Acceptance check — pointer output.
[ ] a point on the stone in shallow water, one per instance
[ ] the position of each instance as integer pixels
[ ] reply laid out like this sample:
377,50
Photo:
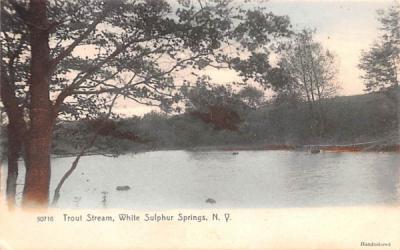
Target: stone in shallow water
211,201
123,188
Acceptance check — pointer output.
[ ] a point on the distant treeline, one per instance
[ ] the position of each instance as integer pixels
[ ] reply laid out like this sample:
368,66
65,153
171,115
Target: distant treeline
347,119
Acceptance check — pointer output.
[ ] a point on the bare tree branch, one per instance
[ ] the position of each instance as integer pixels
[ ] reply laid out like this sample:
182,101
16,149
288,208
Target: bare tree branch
74,165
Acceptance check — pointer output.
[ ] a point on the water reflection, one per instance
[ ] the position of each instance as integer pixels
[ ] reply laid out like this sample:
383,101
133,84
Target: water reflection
222,156
387,173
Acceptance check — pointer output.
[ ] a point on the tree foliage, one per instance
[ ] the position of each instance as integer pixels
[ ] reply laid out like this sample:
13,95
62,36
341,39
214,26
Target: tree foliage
99,48
381,63
252,97
306,69
69,59
307,72
214,103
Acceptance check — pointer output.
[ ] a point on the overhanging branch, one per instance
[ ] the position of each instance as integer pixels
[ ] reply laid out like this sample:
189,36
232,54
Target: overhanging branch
77,41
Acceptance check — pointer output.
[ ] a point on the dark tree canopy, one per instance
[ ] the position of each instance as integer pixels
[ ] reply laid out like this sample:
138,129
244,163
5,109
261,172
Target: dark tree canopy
214,103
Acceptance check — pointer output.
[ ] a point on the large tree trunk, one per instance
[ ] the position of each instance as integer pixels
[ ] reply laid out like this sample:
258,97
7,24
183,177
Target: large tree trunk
37,178
16,133
38,146
13,153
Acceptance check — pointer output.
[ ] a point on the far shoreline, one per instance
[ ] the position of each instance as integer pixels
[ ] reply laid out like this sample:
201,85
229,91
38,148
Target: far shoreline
348,148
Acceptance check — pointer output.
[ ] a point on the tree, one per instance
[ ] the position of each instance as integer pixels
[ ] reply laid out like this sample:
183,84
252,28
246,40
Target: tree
220,104
13,71
251,96
214,103
306,72
381,63
68,59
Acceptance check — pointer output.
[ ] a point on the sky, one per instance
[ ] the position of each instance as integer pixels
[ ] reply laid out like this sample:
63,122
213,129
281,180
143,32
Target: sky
345,27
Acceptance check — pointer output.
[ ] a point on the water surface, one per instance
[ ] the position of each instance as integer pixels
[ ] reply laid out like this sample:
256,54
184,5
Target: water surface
250,179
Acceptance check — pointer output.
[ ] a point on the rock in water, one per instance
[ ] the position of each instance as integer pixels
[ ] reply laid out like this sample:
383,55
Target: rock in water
123,188
211,201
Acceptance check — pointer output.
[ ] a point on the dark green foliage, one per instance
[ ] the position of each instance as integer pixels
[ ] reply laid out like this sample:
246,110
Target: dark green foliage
220,105
215,104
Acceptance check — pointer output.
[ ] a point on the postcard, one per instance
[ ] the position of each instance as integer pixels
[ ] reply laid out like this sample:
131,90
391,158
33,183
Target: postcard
200,124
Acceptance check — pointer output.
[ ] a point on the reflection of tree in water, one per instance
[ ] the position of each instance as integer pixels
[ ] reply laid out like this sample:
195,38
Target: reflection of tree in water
219,156
77,200
398,187
307,173
104,200
387,187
